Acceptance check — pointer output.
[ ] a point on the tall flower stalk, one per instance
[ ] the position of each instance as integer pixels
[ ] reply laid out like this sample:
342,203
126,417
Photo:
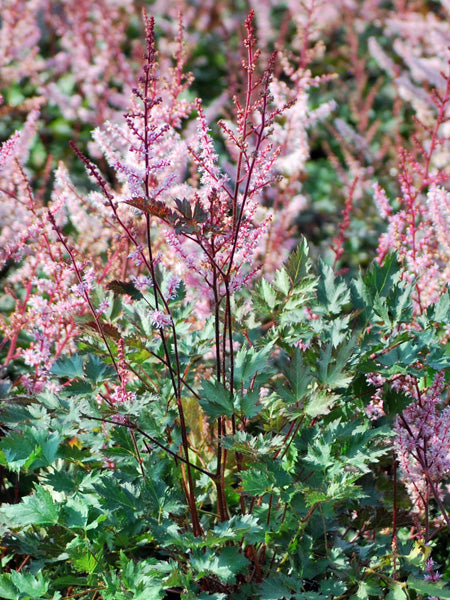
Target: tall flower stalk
212,229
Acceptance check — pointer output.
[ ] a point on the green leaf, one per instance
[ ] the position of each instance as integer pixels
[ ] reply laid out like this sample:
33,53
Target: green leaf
299,377
256,482
29,585
284,587
248,362
8,590
440,312
38,509
237,528
367,589
428,588
19,451
401,356
268,293
75,512
248,403
397,592
298,265
438,358
394,402
282,282
339,330
274,589
81,556
332,291
97,371
226,565
331,371
120,497
381,278
319,403
71,366
216,400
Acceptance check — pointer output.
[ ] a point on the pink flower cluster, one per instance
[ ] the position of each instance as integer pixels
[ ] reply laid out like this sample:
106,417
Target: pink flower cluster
423,441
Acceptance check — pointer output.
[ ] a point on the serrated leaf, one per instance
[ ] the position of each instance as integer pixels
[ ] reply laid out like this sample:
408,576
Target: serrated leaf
332,291
438,358
282,282
82,560
75,512
367,589
403,355
314,497
397,592
97,371
297,265
120,496
239,527
216,400
339,330
184,207
274,589
200,215
248,404
8,590
440,312
248,362
226,565
298,375
268,293
71,366
381,278
319,403
124,288
19,451
38,509
331,368
438,589
394,402
29,585
256,482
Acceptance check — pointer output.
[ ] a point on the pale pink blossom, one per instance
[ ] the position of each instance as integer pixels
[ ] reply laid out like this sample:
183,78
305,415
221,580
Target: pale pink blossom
160,320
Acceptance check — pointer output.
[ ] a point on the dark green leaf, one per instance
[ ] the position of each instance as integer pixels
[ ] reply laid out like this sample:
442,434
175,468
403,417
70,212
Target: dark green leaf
438,589
216,400
124,288
332,292
97,371
70,366
38,509
225,565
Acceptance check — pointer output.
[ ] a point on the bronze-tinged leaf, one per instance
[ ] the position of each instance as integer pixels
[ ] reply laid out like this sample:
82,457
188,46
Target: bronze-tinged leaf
107,329
124,287
138,202
155,208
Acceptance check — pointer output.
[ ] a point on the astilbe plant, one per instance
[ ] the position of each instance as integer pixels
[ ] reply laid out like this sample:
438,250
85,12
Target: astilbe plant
216,219
95,233
209,438
40,325
40,287
418,232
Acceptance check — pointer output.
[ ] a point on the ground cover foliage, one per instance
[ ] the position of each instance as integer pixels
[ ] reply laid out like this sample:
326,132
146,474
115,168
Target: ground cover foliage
224,316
